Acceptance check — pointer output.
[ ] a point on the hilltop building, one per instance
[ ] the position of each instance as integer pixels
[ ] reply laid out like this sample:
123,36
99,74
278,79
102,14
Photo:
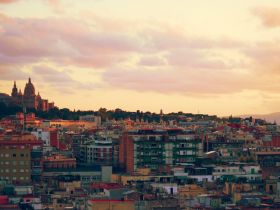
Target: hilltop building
27,99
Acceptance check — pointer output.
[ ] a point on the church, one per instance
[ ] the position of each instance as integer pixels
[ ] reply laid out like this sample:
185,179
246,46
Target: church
29,99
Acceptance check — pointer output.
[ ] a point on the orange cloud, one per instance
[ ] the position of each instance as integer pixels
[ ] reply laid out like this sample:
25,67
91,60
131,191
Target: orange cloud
7,1
270,17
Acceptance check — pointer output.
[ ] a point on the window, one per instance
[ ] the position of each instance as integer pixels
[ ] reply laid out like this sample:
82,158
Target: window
14,170
7,155
14,155
21,155
190,145
189,152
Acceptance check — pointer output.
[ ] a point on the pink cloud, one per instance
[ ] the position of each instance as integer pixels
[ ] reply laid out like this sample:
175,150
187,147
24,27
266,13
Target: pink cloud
170,60
11,72
178,80
61,81
192,58
152,61
67,41
168,39
264,57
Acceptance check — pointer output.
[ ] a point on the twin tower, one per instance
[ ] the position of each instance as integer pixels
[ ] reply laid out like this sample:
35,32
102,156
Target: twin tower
29,99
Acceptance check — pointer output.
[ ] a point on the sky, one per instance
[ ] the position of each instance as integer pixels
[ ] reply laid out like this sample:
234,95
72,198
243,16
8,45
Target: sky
217,57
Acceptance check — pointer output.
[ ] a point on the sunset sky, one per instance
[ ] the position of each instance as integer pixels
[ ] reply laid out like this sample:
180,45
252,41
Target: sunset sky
216,57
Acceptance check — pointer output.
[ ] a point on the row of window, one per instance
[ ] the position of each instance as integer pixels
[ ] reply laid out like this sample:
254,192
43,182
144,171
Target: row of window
100,149
13,155
226,170
14,170
188,145
21,162
90,178
14,178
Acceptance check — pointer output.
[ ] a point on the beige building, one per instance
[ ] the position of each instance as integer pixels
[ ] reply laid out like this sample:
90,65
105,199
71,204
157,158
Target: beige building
15,164
110,205
190,191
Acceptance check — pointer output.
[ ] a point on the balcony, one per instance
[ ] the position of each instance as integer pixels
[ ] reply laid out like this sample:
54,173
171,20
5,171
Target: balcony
36,171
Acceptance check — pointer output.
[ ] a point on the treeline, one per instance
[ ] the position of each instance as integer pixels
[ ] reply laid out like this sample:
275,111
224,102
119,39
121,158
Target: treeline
8,110
117,114
105,114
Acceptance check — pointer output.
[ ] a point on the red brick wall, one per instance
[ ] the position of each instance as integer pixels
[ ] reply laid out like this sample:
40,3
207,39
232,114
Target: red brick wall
275,142
126,153
54,139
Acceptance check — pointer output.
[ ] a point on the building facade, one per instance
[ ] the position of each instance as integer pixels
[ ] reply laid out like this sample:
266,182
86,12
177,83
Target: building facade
15,164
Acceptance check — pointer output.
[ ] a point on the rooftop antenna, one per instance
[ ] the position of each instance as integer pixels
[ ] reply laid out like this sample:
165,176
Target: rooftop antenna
24,118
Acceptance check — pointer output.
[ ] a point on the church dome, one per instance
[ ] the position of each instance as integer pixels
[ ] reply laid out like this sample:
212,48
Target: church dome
29,89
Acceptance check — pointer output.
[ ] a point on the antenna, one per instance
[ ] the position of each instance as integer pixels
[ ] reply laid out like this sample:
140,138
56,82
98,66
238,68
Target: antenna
24,118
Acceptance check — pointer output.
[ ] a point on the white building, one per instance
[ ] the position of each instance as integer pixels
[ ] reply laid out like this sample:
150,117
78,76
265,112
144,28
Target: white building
251,172
43,135
96,152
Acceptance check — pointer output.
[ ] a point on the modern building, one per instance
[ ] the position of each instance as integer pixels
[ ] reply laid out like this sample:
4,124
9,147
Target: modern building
87,174
96,152
153,148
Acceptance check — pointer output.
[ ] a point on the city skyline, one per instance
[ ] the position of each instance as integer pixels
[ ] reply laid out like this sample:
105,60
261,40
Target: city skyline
191,56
